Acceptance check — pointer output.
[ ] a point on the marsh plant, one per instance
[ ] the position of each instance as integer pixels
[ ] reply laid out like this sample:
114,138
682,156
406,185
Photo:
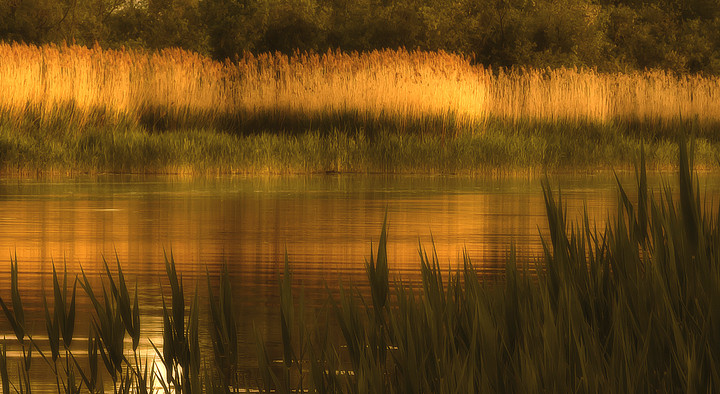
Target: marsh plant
630,307
408,91
633,306
74,109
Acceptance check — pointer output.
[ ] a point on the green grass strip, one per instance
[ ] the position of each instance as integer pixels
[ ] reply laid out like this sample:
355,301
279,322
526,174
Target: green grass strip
496,146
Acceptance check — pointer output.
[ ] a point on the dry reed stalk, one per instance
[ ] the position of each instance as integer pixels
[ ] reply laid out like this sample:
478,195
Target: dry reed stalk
373,86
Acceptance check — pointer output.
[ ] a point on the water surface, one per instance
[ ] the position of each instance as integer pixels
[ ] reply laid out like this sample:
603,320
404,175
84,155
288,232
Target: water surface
324,223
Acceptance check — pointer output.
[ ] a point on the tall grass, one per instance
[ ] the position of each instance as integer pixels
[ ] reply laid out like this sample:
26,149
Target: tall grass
174,88
413,91
631,307
71,108
501,149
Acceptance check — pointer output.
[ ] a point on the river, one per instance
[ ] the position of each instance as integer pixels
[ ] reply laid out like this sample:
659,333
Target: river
325,223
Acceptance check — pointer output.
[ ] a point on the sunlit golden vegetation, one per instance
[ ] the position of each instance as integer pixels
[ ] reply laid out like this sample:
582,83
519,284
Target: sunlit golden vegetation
410,90
73,108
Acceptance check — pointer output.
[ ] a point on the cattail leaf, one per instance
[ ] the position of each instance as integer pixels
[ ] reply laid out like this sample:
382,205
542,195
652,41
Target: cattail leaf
14,323
85,284
51,327
4,368
16,316
136,320
59,301
177,300
169,345
28,358
15,292
118,342
109,366
93,357
69,328
228,315
193,334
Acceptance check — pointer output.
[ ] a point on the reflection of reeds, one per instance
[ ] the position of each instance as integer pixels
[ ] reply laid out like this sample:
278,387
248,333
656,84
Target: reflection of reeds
409,91
631,307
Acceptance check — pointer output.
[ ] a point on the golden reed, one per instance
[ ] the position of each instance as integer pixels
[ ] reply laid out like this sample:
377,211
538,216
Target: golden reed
375,85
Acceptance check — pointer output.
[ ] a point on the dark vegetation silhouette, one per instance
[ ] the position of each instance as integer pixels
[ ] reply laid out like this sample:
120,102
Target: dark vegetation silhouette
612,35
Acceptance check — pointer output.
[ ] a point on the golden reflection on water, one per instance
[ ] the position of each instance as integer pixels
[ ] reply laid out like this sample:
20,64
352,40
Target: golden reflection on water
324,223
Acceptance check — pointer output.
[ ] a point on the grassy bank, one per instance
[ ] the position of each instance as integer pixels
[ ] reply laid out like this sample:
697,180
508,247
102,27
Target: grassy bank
501,147
632,307
72,109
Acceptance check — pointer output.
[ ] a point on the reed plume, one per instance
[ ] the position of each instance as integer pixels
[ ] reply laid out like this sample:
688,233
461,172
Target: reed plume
409,90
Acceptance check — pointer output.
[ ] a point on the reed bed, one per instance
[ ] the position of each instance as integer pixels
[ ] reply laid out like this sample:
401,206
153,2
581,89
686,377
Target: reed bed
632,307
409,91
526,149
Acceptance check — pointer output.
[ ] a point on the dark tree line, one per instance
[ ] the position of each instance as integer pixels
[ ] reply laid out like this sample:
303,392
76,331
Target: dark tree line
677,35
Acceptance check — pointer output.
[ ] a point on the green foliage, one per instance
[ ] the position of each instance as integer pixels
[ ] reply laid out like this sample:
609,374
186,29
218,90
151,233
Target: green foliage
338,144
31,21
289,26
680,36
174,23
230,26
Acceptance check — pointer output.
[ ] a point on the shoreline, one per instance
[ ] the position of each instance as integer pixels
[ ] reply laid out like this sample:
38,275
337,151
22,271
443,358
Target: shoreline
497,150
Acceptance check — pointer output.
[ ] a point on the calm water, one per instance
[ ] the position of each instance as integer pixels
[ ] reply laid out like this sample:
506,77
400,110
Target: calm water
325,224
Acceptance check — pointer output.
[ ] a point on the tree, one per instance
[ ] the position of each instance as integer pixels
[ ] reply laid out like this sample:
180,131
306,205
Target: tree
230,25
175,23
31,21
568,33
292,25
